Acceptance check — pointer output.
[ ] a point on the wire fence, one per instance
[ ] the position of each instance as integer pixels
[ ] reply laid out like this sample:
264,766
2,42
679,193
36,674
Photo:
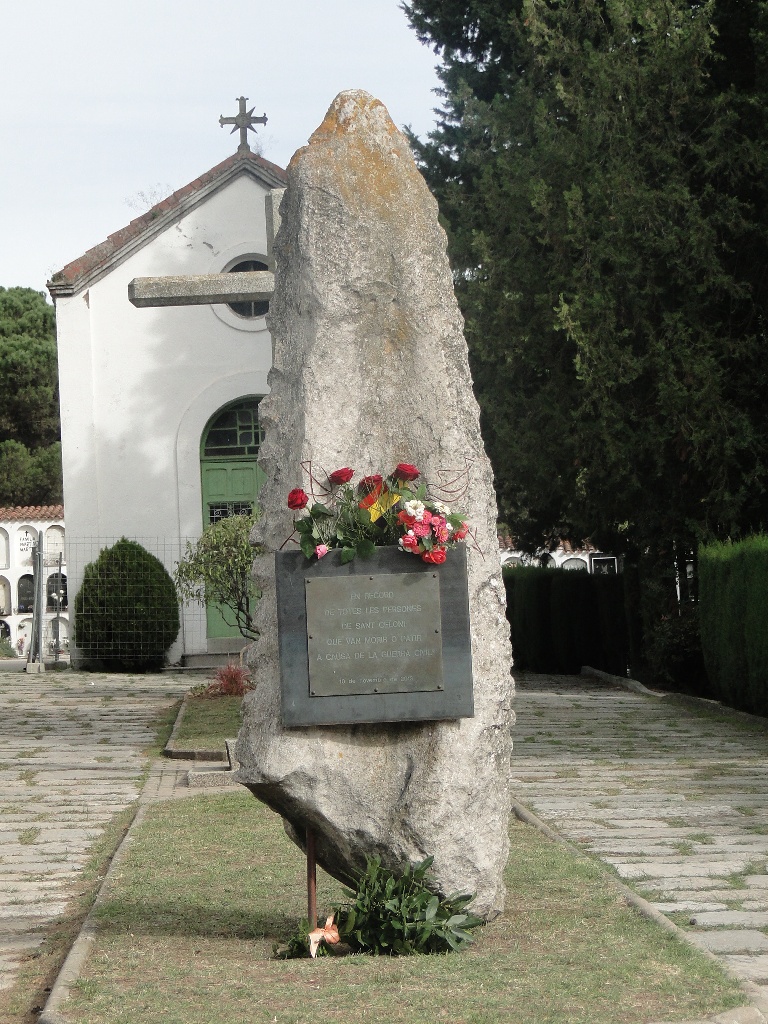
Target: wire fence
123,606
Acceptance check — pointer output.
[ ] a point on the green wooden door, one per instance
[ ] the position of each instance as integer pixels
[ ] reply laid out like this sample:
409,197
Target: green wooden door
230,478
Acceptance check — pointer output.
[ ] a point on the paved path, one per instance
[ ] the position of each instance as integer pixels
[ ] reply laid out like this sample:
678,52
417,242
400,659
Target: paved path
676,801
71,756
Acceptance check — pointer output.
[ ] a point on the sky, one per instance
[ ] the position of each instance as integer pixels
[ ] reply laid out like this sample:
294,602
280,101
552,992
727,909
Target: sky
105,107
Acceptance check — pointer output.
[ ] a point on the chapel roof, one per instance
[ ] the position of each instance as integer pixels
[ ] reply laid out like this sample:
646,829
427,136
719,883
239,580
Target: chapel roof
121,244
31,513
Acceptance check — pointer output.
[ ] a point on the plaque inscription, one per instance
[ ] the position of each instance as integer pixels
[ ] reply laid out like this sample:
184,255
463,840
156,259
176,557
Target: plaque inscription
373,634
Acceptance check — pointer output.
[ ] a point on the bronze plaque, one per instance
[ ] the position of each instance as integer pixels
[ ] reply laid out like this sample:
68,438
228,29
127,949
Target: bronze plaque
374,634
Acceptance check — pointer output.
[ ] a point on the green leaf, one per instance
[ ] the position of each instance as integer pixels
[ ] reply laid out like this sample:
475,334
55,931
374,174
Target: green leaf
308,545
347,554
319,511
365,548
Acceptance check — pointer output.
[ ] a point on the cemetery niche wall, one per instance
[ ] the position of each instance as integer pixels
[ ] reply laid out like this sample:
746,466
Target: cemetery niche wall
369,368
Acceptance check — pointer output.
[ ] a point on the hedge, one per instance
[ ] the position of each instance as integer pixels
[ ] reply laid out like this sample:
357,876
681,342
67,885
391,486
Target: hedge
733,620
563,619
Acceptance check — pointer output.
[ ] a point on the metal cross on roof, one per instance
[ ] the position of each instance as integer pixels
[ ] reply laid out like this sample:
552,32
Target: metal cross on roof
244,120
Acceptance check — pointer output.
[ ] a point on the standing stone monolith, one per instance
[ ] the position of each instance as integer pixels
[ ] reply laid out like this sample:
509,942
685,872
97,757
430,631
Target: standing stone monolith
370,369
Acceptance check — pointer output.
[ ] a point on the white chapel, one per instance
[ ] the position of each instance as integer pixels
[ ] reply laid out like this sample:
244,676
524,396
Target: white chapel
159,406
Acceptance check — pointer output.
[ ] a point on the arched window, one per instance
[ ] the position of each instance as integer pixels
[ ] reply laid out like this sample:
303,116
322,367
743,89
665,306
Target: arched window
56,593
574,563
56,635
234,432
5,630
5,550
26,594
5,596
249,310
231,479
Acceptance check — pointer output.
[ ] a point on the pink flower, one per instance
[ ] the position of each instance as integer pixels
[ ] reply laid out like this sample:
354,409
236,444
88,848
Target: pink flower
409,542
421,529
321,549
440,531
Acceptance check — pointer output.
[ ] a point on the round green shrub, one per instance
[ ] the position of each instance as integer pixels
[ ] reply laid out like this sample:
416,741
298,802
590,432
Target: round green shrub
126,612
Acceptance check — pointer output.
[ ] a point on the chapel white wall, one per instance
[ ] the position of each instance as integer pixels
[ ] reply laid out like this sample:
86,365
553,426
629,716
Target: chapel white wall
139,385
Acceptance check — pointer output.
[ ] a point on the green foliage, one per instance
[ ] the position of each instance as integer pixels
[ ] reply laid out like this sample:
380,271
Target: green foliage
733,613
126,612
296,947
6,648
216,569
30,477
30,455
602,174
562,620
397,914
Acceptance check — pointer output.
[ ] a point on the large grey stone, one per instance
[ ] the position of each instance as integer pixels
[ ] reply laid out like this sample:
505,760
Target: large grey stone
370,369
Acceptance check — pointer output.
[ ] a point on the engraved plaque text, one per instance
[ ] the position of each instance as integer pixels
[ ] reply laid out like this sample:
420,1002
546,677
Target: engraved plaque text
374,634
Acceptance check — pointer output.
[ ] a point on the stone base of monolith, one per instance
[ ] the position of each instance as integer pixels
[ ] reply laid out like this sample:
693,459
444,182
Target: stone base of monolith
370,369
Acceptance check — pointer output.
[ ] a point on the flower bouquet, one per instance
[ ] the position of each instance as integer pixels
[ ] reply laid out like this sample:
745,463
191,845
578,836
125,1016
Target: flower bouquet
377,511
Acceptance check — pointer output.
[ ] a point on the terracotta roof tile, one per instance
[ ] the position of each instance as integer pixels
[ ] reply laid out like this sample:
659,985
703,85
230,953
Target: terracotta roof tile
68,277
33,513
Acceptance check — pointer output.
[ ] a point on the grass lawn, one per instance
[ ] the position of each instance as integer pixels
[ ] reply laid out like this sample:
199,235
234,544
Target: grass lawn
211,882
208,722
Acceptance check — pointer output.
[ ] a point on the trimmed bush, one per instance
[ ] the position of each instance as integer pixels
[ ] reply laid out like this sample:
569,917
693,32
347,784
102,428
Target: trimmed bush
126,613
562,620
733,611
528,614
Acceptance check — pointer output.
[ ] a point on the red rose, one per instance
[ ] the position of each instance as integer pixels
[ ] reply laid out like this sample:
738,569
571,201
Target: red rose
297,499
370,484
435,557
371,487
461,533
405,471
341,476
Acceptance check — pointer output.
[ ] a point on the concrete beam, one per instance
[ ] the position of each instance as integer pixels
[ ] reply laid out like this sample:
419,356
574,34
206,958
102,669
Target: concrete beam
203,289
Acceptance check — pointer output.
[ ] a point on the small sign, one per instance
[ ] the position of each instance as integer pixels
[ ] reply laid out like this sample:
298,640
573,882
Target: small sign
604,565
374,634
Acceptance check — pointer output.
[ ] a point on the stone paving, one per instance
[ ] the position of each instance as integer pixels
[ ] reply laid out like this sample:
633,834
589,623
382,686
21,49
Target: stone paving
71,757
676,801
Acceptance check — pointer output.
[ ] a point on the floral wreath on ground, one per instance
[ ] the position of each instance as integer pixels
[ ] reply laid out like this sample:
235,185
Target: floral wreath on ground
375,512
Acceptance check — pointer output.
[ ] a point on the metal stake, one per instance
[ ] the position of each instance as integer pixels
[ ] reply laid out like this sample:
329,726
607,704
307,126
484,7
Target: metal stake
311,880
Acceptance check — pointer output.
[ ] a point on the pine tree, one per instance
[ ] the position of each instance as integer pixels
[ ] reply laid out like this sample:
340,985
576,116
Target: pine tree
601,171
